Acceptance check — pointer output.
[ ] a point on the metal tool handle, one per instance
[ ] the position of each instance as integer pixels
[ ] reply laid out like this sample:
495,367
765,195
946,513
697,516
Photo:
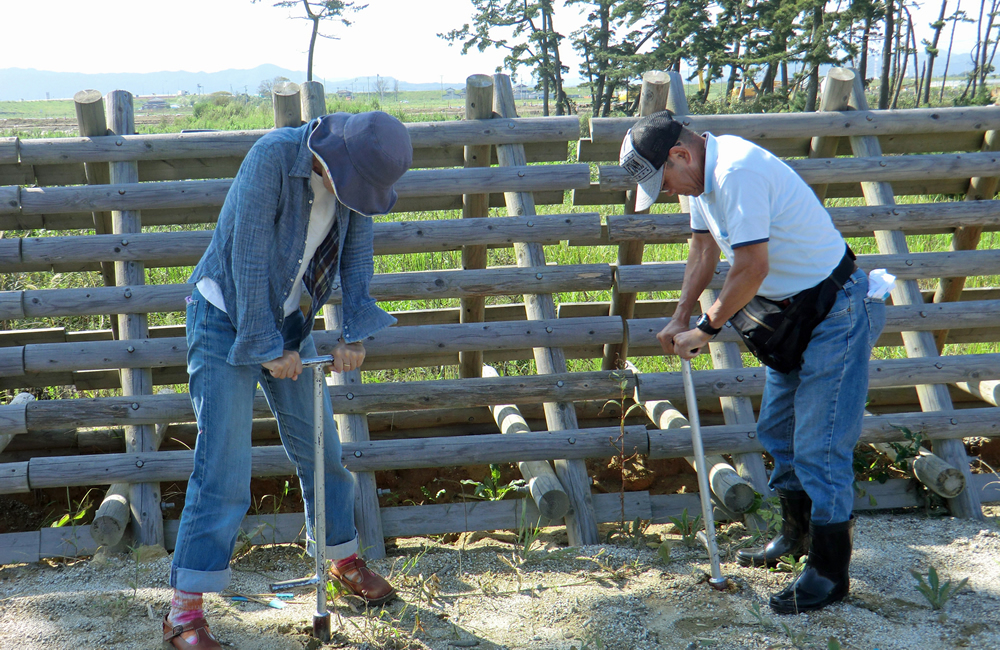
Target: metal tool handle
321,621
717,580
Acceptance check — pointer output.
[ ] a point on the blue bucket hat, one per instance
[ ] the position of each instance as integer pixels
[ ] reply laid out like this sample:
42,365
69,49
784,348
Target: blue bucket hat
364,154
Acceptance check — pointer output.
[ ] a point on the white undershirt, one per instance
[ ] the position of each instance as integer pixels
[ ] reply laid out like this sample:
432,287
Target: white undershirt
324,208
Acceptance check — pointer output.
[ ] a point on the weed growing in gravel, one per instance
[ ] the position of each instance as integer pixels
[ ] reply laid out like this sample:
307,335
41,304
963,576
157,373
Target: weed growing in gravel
799,640
761,619
789,564
527,534
630,534
590,641
687,527
932,589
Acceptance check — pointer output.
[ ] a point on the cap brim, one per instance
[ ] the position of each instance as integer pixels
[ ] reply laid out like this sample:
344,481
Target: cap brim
648,191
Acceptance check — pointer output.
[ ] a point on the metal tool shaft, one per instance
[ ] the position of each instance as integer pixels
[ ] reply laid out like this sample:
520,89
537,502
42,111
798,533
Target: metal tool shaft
321,620
717,580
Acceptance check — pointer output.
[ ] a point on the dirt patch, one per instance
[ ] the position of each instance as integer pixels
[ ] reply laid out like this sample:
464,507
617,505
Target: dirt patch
484,591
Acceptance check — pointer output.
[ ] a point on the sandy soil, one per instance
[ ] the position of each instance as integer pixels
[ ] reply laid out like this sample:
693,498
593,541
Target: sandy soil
480,591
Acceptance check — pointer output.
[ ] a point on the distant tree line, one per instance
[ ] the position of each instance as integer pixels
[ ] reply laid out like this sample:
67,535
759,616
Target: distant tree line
771,49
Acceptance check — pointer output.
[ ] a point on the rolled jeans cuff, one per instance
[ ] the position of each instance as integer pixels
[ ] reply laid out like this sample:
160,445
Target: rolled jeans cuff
338,551
199,582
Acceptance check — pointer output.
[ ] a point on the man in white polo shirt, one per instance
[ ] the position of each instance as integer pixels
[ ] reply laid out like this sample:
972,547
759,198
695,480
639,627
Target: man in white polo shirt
787,259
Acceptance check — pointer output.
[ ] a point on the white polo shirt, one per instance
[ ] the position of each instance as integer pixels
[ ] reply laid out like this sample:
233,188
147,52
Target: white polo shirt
751,196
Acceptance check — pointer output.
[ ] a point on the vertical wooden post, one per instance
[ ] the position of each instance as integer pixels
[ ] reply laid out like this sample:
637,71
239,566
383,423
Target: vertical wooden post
91,122
966,238
652,99
353,427
144,498
918,344
285,100
836,97
581,521
478,106
313,101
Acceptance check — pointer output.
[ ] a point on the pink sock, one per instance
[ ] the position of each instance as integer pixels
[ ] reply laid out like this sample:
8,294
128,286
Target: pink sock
346,560
185,607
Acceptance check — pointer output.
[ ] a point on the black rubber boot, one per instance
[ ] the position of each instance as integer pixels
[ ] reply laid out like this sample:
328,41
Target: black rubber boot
825,579
796,507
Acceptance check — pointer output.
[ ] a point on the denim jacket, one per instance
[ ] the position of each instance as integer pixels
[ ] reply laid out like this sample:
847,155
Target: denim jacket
258,244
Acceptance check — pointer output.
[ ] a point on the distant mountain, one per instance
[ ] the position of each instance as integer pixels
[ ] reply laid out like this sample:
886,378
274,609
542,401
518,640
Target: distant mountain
29,84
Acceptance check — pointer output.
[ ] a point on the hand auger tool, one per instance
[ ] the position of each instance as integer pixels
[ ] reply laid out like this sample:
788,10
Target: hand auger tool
321,619
708,538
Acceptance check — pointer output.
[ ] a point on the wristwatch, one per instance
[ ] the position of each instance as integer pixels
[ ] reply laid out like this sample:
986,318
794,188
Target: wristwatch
705,325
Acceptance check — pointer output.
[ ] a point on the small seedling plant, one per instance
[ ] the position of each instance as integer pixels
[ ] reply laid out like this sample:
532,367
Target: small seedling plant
491,488
688,527
937,594
789,564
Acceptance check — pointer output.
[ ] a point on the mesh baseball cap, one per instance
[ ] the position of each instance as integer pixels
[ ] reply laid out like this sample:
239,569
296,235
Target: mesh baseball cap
644,151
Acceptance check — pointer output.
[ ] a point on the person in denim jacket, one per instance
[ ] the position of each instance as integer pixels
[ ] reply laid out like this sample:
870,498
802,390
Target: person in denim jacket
296,224
781,243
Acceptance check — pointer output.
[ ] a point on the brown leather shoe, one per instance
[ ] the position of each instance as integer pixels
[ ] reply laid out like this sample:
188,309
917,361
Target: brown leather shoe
173,635
363,582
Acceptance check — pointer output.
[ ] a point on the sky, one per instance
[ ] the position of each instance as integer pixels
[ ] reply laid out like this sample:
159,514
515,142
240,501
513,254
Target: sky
395,38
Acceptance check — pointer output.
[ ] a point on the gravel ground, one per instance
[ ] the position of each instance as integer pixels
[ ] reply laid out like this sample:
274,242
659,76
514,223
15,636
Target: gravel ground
478,591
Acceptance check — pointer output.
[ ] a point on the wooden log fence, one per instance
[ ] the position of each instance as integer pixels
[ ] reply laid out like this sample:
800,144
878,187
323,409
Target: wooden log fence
49,435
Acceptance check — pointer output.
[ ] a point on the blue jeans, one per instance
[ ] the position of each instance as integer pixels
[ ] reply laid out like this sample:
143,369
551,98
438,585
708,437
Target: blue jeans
218,493
810,419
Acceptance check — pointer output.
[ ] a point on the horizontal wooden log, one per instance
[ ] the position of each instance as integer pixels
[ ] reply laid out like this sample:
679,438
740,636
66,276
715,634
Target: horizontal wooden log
922,187
916,318
668,276
932,425
13,479
16,548
66,542
389,343
391,238
826,123
10,200
193,194
850,221
12,361
798,147
367,398
882,373
176,169
421,285
210,214
9,150
829,170
503,281
237,143
381,397
366,456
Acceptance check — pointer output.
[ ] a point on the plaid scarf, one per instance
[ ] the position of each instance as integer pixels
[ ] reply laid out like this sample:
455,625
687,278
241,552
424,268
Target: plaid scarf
324,266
